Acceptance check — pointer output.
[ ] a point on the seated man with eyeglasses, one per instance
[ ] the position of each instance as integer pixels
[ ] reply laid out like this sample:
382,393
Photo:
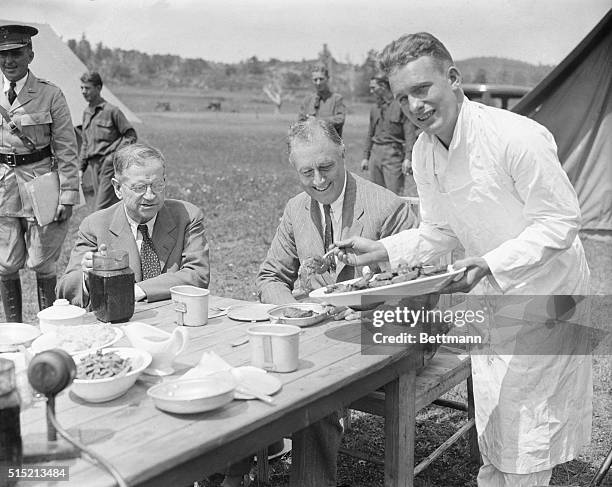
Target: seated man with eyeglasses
164,238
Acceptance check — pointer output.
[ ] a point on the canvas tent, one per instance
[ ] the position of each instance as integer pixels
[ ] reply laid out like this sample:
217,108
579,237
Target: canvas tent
575,103
53,60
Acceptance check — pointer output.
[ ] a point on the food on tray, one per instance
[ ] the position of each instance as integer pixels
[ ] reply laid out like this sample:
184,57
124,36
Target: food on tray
402,274
100,365
298,313
312,266
83,337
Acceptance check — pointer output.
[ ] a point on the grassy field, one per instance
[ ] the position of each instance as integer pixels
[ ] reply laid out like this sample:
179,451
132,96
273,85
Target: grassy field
234,166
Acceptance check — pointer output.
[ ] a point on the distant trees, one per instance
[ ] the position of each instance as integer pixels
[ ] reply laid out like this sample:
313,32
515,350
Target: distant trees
287,78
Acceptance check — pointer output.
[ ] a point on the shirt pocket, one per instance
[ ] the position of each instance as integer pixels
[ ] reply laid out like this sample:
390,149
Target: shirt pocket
105,130
37,127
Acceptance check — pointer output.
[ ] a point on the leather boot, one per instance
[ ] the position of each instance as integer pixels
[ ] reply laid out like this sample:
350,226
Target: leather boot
46,291
11,299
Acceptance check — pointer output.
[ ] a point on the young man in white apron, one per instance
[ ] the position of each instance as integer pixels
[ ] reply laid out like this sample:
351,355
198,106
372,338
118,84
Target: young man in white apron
490,180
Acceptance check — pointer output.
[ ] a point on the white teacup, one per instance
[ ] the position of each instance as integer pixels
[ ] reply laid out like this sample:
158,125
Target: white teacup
275,347
191,305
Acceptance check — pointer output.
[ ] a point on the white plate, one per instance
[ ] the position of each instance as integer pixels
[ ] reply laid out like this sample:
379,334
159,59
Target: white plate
47,341
416,287
250,312
256,379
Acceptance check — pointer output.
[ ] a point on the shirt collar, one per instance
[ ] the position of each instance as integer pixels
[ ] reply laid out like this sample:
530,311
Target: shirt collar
91,109
134,226
336,206
19,85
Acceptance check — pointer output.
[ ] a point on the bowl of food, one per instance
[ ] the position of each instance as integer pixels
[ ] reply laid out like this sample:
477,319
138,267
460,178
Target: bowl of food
78,338
298,314
190,396
14,335
106,374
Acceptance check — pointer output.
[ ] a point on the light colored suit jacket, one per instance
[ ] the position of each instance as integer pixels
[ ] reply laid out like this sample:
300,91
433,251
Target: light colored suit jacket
178,237
368,210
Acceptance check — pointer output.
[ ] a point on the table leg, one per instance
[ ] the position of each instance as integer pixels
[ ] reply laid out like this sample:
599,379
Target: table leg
472,435
400,417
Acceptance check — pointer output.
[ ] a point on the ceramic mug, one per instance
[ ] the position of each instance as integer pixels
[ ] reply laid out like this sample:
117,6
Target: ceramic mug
190,304
275,347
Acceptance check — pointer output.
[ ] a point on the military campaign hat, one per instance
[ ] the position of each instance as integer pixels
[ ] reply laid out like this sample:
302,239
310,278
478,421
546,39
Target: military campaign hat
15,36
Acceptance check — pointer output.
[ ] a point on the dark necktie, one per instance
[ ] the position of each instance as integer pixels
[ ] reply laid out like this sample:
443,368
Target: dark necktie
329,233
12,94
149,262
329,229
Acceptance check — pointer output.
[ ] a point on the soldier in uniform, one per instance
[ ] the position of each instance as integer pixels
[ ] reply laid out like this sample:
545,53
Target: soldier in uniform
105,130
36,137
323,103
388,146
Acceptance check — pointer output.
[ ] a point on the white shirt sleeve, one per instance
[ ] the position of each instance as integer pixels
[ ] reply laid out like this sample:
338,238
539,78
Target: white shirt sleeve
550,204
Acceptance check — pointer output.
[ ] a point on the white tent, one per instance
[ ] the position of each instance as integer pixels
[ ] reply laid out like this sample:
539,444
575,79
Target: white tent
53,60
575,103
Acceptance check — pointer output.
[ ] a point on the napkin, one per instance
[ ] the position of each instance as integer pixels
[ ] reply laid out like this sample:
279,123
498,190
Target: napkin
211,363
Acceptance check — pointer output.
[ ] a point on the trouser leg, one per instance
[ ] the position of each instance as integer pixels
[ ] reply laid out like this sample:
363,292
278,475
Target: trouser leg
315,453
490,476
45,287
375,170
10,290
12,258
44,247
392,157
105,195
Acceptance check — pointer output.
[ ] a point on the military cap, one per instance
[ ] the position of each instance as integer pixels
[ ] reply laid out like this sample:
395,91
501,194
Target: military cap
15,36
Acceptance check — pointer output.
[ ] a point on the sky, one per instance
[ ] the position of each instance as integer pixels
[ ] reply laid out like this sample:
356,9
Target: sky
536,31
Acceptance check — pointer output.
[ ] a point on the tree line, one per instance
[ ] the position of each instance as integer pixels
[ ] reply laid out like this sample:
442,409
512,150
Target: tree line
135,68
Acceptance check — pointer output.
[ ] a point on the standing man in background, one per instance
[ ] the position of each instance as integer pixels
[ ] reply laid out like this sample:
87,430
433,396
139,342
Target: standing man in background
391,135
36,138
105,129
323,103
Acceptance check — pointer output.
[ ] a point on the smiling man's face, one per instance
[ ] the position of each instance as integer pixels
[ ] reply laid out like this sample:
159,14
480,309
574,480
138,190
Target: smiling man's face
320,167
429,95
141,205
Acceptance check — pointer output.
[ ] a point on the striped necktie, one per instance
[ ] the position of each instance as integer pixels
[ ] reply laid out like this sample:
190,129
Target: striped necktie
149,262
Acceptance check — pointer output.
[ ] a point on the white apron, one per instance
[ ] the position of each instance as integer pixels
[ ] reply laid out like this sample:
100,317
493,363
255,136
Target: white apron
532,411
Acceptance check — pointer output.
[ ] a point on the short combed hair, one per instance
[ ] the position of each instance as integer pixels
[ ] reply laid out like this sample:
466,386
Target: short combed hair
307,130
413,46
135,155
92,77
320,68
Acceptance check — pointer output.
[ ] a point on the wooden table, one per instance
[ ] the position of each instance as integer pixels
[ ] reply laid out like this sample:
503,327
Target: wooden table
153,448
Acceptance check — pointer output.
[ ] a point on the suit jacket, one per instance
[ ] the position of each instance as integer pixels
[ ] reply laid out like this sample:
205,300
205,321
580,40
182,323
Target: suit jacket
368,210
178,238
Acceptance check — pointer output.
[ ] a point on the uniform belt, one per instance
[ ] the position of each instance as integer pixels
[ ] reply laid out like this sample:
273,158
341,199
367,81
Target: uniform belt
13,160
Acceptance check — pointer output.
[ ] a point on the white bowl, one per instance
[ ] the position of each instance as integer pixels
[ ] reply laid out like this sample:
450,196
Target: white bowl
277,315
102,390
62,313
12,335
189,396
